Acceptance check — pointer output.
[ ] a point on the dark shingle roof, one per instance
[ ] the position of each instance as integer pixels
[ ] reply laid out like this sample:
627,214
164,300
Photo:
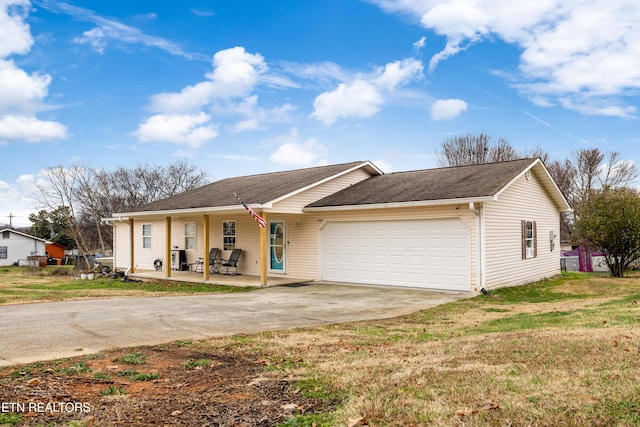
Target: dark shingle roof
429,184
261,188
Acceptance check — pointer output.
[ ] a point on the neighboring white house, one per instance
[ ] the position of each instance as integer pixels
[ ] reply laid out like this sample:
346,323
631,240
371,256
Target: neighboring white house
458,228
16,246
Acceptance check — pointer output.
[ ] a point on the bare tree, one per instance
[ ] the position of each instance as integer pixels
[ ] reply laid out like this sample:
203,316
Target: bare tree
474,149
92,194
595,169
59,189
182,176
123,188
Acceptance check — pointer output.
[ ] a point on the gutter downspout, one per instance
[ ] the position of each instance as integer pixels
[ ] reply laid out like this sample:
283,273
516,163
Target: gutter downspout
481,267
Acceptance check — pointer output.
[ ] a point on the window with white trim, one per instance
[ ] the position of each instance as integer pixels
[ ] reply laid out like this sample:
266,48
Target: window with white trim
146,236
190,235
228,235
529,240
4,252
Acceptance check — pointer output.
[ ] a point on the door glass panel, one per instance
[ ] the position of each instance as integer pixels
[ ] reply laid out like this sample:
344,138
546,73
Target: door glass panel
277,245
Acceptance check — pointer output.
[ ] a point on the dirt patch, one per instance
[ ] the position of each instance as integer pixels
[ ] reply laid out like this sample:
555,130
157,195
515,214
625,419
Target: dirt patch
172,385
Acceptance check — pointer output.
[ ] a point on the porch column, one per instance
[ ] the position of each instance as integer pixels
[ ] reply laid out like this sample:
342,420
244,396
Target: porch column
205,257
263,251
167,253
131,247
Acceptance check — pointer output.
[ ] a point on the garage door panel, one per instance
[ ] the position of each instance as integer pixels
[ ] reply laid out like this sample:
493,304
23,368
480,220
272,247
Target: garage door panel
422,253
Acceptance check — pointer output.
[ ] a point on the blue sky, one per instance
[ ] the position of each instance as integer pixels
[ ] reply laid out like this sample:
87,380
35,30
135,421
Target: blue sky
243,87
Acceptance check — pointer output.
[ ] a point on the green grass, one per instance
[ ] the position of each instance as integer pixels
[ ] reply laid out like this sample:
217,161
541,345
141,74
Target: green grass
113,391
147,286
134,375
76,368
25,284
310,420
538,292
192,364
136,358
9,419
318,388
101,376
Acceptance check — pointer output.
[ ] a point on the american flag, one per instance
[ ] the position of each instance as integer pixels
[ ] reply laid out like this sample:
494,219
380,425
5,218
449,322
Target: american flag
254,214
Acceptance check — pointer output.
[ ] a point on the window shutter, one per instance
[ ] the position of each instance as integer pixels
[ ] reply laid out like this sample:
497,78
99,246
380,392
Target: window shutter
523,226
535,240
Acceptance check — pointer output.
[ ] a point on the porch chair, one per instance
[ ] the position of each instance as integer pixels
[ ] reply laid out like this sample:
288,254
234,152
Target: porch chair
232,262
214,262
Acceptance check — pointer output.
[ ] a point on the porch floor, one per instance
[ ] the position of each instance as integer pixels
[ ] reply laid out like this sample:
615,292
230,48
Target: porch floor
217,279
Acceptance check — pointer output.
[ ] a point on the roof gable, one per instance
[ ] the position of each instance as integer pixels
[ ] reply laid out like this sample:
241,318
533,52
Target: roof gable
28,236
484,181
253,189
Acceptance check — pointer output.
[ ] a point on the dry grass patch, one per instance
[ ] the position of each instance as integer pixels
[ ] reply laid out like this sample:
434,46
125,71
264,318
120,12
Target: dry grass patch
570,361
563,352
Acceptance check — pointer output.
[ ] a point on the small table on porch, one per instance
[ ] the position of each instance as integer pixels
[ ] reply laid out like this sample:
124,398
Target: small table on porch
197,266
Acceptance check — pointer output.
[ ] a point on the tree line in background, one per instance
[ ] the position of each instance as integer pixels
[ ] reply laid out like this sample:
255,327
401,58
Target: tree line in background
76,199
606,209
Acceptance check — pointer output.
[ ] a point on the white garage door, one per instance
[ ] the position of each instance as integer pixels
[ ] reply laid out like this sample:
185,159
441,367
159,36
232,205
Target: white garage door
432,254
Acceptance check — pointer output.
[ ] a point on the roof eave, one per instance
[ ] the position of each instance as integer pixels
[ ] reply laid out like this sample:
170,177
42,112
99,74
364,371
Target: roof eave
420,203
183,212
376,171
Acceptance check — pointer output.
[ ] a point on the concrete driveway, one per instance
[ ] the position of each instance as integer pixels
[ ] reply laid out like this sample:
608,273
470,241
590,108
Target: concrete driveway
44,331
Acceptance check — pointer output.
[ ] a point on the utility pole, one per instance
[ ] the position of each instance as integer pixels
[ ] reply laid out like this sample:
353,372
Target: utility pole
11,216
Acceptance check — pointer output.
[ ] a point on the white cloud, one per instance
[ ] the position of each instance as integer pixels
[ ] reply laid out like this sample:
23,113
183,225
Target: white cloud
235,74
185,129
419,45
447,109
109,31
17,199
357,99
398,73
21,95
228,90
20,91
574,52
14,32
30,129
294,153
365,95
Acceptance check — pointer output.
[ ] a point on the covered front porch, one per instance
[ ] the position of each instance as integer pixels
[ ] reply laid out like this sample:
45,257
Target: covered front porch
239,280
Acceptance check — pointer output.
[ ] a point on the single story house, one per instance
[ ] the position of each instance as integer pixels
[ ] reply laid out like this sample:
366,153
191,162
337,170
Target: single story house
456,228
16,246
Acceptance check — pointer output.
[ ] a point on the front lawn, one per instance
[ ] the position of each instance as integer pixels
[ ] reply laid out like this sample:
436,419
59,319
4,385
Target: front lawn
51,283
562,352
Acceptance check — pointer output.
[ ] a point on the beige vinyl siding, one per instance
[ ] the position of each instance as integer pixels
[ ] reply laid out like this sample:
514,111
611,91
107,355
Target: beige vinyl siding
144,257
526,199
121,251
302,246
247,239
294,204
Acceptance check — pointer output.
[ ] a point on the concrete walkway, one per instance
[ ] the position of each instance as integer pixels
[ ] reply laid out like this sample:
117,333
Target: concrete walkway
45,331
